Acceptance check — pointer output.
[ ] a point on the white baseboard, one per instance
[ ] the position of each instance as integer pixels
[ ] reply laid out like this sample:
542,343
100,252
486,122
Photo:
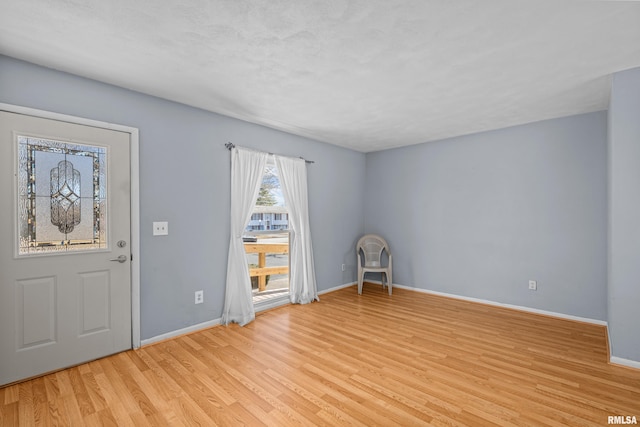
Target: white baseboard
346,285
276,302
624,362
204,325
335,288
209,324
612,359
183,331
512,306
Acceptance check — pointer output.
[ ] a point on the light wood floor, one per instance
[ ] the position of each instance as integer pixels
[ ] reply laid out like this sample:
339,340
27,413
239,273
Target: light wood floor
375,359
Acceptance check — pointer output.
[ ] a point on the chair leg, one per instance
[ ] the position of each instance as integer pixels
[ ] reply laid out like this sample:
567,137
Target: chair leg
360,280
389,281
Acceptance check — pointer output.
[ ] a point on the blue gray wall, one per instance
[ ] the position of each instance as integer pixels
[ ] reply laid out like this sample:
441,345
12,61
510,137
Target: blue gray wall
184,179
624,215
476,216
480,215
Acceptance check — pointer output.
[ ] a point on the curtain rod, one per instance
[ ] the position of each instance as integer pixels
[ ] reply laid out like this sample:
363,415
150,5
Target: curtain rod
230,145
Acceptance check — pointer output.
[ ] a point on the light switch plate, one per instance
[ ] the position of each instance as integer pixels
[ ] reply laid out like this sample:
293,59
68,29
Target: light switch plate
160,228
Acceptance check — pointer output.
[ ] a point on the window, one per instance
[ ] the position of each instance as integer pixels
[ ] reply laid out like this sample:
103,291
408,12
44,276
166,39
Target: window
268,256
62,196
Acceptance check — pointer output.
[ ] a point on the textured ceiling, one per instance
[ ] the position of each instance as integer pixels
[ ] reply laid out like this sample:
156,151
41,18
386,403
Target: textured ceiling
363,74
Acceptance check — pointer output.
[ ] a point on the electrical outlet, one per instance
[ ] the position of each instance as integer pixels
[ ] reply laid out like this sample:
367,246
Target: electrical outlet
160,228
533,285
199,297
343,267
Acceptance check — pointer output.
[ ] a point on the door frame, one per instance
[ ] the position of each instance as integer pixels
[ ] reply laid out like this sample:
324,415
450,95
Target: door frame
135,197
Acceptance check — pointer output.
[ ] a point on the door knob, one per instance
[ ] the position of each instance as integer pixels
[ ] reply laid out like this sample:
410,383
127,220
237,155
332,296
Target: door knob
121,258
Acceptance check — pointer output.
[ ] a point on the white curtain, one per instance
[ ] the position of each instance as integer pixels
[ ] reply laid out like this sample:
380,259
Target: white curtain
302,277
247,168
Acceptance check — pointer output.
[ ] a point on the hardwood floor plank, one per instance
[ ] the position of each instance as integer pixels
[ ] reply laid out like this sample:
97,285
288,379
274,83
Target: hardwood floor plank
40,404
190,412
143,398
116,406
80,393
101,418
299,385
162,382
26,410
57,412
118,394
345,412
93,391
10,416
205,400
371,359
71,408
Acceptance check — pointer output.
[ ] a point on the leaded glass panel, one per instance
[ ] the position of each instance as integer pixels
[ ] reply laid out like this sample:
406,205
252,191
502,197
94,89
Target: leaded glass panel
62,191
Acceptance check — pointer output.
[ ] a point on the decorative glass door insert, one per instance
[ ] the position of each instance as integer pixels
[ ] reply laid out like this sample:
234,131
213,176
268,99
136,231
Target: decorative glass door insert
62,189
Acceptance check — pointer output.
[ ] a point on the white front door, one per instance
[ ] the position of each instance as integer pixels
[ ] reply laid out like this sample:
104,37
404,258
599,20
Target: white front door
65,234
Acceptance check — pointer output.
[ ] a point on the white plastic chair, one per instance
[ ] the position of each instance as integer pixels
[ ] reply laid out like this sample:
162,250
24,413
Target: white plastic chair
371,246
